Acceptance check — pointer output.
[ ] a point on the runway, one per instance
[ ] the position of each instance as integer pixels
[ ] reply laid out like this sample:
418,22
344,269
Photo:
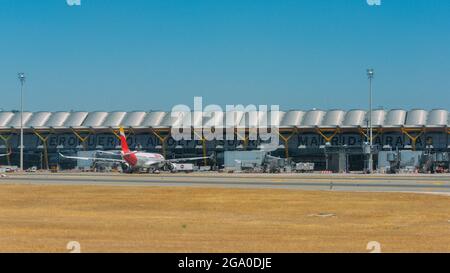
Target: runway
437,184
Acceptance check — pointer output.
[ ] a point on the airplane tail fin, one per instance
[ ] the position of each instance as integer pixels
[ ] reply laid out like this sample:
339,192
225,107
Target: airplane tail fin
123,141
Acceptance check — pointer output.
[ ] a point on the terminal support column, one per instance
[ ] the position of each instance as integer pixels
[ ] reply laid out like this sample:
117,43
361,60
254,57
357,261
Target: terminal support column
243,138
162,139
204,148
81,138
328,138
6,141
43,136
286,141
414,138
378,131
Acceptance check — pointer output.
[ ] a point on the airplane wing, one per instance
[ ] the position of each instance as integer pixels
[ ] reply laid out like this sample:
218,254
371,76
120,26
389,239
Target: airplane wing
119,153
151,163
273,157
109,152
189,159
93,158
5,154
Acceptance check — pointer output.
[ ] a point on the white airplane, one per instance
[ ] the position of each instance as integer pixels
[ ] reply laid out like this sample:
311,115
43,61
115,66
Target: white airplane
135,161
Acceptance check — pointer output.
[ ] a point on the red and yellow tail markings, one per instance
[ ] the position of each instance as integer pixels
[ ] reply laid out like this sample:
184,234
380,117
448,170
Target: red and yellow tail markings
127,156
121,131
123,141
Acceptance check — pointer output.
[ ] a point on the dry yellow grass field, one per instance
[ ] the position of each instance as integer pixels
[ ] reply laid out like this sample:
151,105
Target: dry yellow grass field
150,219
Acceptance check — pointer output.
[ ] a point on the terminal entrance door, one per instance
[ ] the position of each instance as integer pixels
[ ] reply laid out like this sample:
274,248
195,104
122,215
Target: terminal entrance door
356,163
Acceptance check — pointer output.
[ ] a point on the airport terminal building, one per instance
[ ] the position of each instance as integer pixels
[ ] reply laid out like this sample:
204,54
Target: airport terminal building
333,139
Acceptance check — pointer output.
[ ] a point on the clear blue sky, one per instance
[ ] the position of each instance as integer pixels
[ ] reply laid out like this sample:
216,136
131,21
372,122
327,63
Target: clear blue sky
153,54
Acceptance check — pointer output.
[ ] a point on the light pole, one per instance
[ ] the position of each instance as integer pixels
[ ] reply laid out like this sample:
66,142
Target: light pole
370,74
22,82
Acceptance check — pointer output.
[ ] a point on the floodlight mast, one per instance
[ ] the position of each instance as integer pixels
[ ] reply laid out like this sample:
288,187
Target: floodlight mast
22,82
370,75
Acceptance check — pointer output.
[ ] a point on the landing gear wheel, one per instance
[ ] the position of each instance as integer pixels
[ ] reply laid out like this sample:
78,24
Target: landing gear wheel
126,169
153,170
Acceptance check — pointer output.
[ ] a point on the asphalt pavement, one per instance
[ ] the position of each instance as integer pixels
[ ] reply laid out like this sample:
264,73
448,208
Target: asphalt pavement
438,184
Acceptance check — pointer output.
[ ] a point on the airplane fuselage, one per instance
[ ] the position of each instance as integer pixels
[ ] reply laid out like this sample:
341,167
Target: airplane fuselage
140,160
134,161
